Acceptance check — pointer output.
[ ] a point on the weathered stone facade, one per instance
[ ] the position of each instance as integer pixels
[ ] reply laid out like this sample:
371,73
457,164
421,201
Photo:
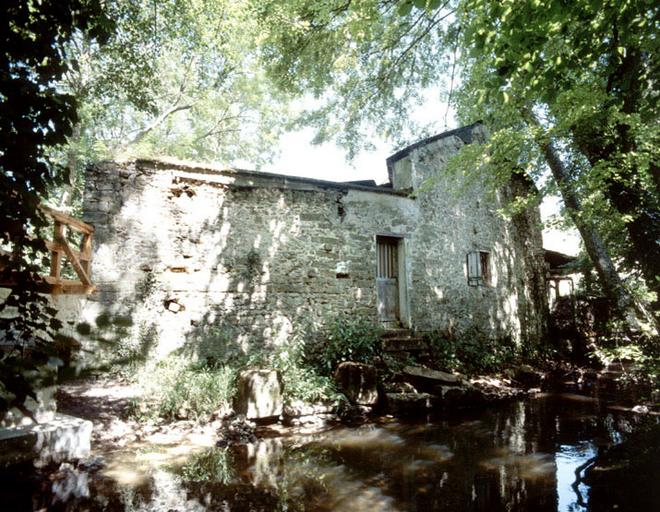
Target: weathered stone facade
192,257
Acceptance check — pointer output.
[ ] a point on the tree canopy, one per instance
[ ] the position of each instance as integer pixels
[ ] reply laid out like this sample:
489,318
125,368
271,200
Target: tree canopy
558,83
364,62
584,71
177,78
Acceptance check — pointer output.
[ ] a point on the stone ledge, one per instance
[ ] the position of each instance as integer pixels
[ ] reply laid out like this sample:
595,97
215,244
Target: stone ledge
63,438
410,404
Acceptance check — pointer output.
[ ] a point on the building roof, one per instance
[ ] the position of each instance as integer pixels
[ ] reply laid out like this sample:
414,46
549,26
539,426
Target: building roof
464,133
558,261
268,178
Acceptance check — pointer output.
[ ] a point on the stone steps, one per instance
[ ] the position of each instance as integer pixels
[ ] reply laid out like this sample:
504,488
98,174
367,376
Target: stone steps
410,344
402,340
399,332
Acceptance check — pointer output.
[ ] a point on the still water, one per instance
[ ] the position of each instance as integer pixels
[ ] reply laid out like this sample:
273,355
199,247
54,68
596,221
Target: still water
524,455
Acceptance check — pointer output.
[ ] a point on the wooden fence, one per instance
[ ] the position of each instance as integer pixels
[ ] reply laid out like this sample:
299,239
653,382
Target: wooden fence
61,253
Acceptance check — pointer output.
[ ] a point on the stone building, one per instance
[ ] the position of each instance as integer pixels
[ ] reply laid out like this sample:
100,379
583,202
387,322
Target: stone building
189,257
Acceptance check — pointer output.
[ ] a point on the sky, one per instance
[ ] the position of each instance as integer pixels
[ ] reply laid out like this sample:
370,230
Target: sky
299,157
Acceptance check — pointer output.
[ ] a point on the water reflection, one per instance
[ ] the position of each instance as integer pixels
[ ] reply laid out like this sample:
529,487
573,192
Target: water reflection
520,456
70,484
573,494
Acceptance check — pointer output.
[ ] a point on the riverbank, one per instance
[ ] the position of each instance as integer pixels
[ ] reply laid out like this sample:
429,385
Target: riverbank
109,403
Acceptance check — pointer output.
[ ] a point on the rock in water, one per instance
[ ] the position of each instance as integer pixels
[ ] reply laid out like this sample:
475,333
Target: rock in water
235,432
259,394
358,382
425,378
409,404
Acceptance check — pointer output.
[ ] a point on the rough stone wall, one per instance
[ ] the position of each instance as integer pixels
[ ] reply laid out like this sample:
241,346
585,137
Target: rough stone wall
457,218
182,261
192,259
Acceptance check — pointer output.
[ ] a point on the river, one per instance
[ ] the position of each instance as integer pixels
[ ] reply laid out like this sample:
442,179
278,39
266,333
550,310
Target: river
522,455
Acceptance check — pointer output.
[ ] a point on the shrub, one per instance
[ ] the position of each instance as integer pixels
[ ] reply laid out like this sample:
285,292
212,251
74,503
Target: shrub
214,465
301,379
349,338
473,352
644,352
176,387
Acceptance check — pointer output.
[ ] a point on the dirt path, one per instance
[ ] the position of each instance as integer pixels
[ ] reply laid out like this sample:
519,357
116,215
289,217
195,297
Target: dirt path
106,403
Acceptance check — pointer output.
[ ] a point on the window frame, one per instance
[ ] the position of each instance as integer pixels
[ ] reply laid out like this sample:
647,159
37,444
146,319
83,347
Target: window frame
478,268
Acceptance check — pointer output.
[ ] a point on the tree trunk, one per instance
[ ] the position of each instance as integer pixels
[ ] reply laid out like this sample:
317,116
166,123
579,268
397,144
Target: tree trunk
594,244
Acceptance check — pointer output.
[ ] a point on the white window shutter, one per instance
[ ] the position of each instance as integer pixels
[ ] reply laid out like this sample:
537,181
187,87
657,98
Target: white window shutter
474,268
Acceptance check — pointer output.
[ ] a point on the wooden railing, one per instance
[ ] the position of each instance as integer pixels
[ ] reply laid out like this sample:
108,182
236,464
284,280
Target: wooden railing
61,252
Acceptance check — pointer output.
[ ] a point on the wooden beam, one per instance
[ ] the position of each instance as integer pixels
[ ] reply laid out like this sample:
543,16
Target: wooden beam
75,262
79,289
54,286
86,253
72,222
67,286
56,255
59,248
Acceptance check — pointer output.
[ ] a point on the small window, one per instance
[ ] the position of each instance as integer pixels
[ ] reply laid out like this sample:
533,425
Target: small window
478,268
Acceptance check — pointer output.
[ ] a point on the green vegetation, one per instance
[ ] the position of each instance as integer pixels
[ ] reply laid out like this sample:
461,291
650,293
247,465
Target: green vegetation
642,355
184,386
302,380
473,353
349,338
35,118
212,465
177,388
176,78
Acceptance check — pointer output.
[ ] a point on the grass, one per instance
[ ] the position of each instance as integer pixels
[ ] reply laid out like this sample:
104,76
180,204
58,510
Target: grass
178,388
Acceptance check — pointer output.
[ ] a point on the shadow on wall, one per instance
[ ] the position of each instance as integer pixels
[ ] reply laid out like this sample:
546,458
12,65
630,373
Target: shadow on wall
106,332
268,282
508,308
212,271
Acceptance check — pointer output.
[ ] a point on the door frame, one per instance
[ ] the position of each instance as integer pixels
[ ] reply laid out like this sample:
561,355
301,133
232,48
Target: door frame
403,270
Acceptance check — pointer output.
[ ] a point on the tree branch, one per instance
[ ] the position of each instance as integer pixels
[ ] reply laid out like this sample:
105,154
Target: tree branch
155,123
215,129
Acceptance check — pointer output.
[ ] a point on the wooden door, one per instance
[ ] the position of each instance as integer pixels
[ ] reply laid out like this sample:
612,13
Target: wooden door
387,279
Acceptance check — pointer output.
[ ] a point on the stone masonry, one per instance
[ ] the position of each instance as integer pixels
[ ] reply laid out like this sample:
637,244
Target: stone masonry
208,260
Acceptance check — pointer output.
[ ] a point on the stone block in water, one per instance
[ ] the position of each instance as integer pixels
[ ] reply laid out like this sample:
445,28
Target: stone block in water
62,438
410,404
358,382
42,409
259,394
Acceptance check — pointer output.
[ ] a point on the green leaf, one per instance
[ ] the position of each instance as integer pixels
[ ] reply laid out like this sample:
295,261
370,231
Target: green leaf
405,8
